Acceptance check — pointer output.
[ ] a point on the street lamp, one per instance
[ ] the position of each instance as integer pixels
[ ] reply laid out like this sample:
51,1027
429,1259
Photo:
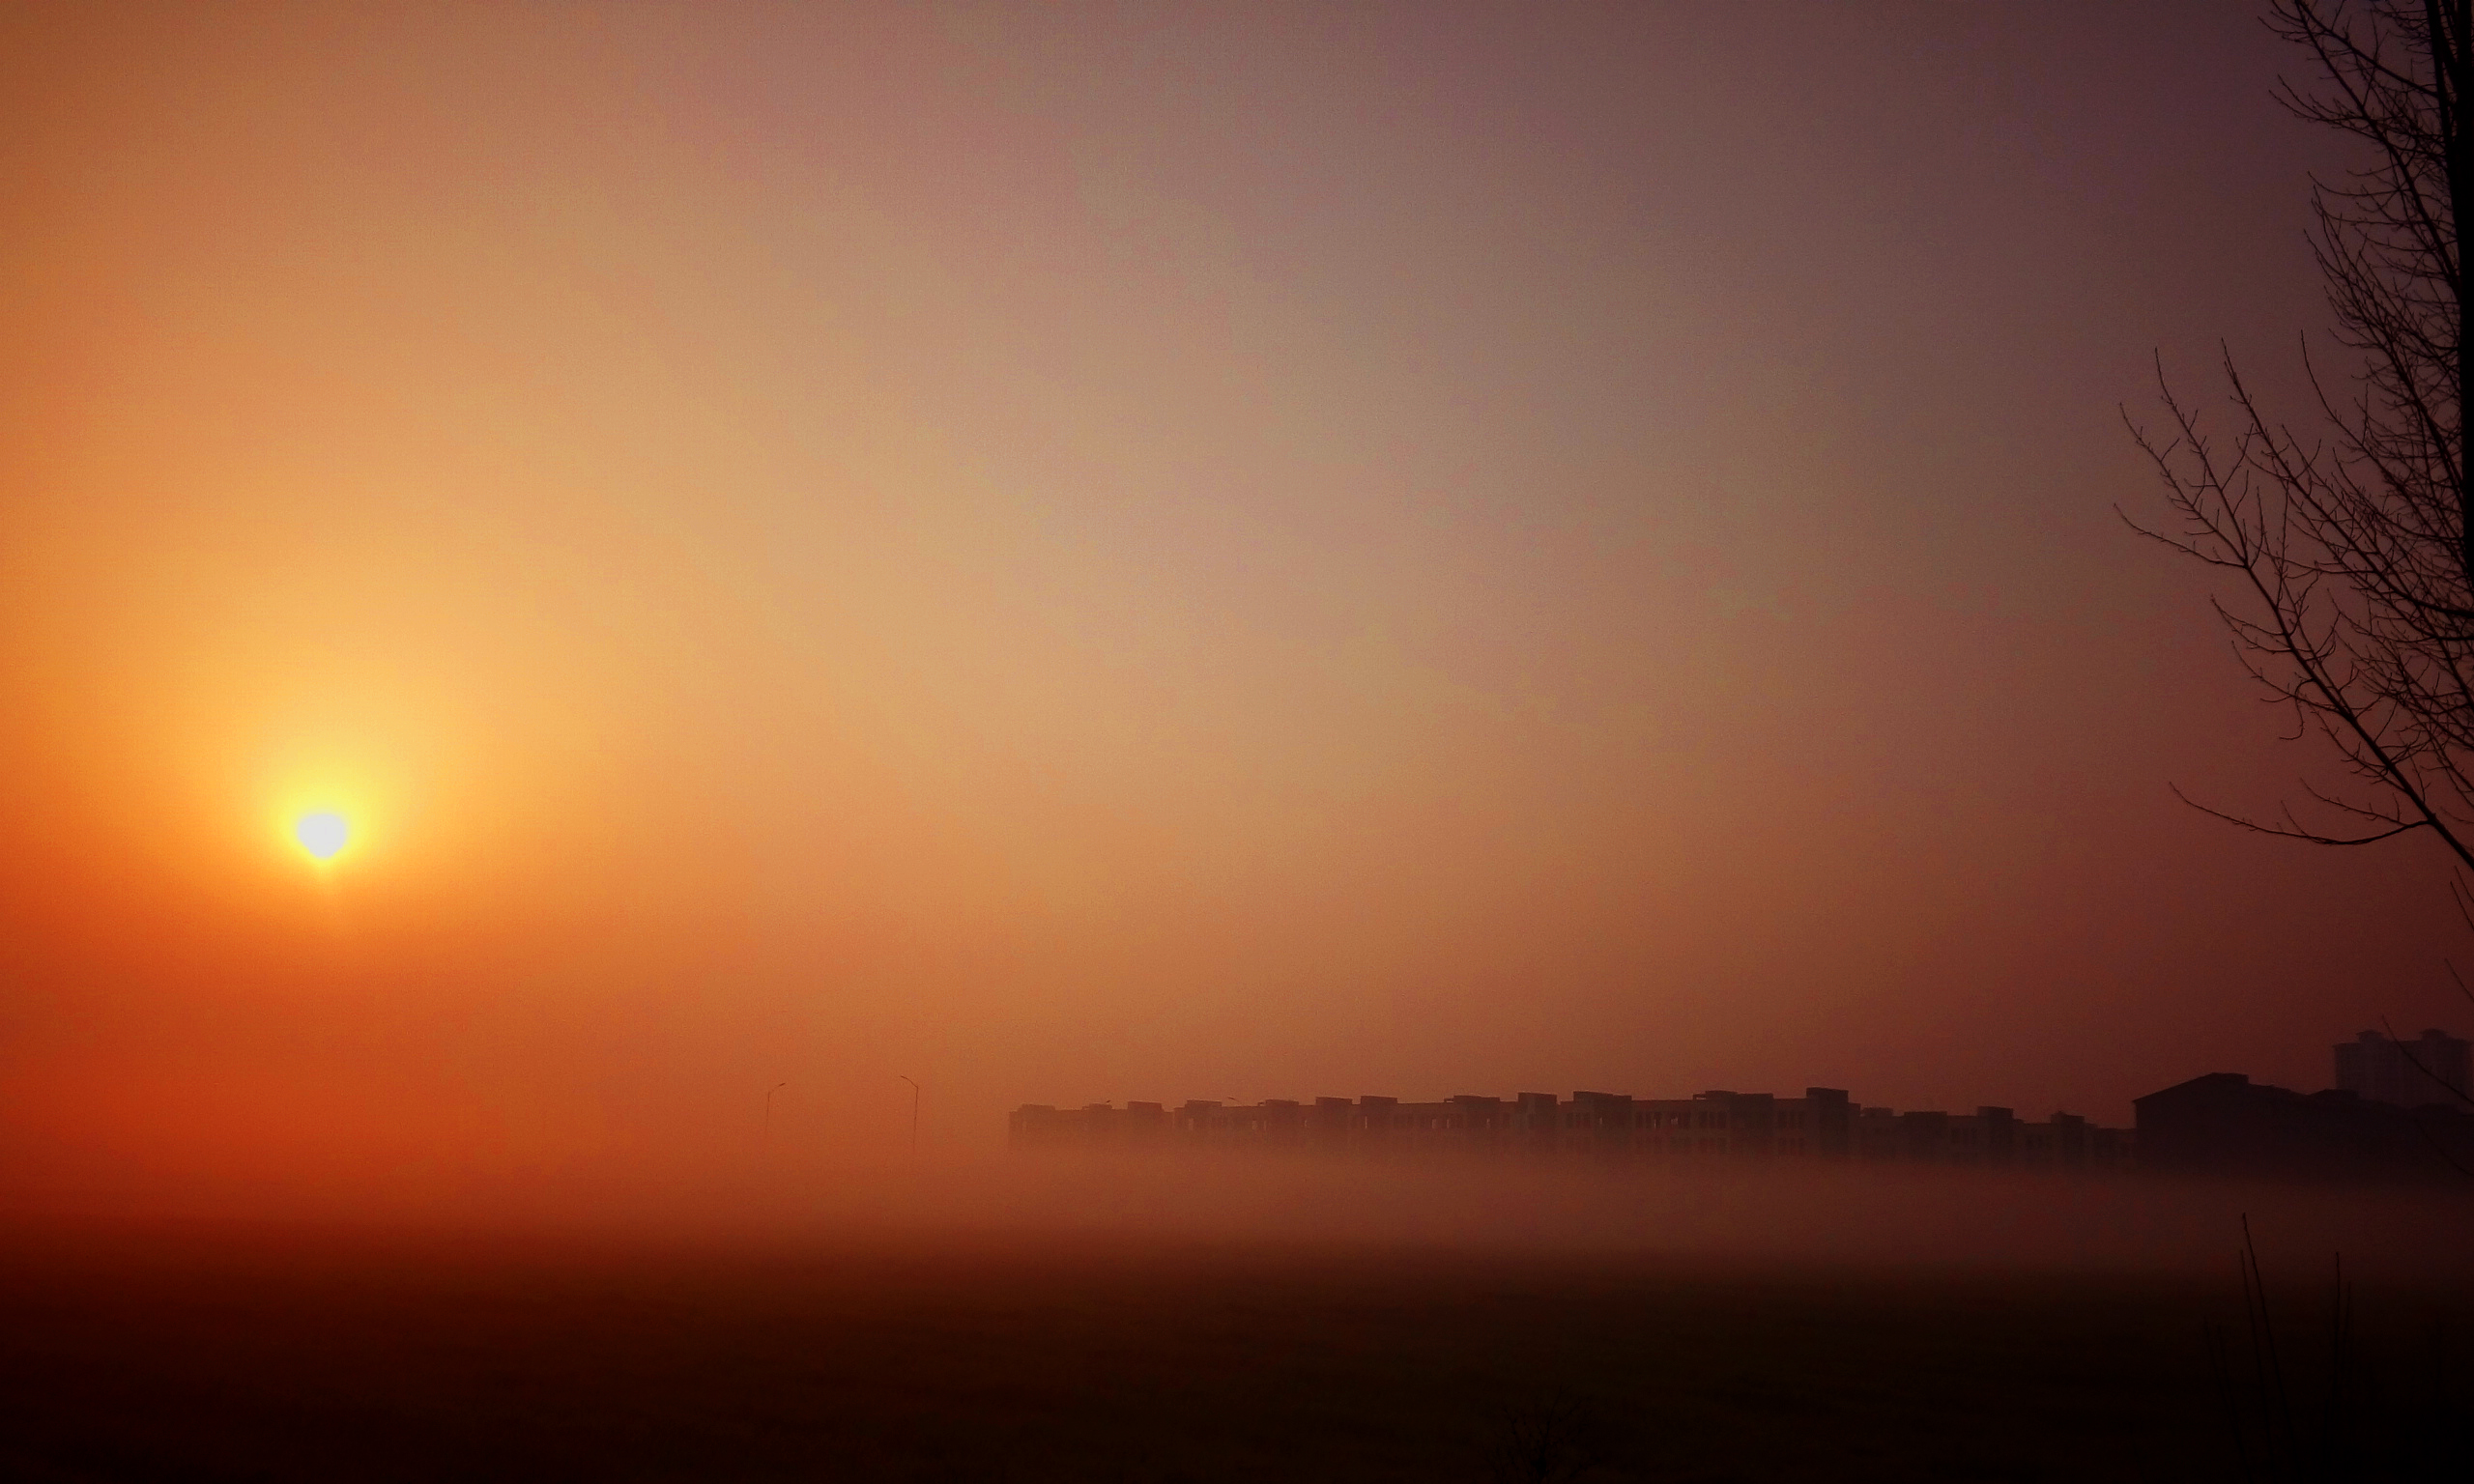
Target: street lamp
768,1109
914,1118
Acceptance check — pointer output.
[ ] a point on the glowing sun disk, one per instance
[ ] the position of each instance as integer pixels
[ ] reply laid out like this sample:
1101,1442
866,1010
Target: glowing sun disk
322,835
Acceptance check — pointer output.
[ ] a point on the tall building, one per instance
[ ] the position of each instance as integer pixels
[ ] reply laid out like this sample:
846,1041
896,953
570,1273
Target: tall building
2431,1068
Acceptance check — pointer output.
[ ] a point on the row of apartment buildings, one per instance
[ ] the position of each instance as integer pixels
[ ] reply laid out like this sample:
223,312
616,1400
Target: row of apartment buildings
1824,1124
2400,1109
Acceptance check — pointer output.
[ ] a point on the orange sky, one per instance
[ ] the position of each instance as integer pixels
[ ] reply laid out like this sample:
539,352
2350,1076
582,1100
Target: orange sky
1078,553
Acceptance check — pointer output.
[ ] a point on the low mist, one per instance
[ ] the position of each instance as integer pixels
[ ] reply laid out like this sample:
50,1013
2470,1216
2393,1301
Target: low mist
1850,1215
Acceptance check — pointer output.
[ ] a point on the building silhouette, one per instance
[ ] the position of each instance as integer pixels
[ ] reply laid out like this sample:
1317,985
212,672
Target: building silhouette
2399,1111
2430,1069
2225,1123
1823,1124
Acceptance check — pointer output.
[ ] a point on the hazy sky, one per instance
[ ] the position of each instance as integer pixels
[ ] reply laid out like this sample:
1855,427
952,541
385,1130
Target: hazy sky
1101,552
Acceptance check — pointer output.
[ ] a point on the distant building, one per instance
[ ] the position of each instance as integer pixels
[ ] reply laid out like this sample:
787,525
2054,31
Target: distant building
1823,1124
2225,1123
2431,1068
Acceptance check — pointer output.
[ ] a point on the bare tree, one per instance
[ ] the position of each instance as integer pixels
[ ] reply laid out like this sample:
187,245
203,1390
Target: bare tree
1545,1440
2353,543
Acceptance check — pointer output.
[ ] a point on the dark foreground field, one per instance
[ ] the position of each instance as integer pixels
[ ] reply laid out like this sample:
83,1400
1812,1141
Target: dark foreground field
220,1355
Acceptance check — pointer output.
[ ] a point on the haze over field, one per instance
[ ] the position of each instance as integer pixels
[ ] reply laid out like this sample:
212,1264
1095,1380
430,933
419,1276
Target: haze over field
1079,553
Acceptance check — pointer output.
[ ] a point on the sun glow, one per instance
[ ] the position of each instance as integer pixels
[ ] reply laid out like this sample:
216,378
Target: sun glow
323,835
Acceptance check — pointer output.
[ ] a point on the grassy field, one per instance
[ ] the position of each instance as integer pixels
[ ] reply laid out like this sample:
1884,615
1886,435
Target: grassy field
278,1357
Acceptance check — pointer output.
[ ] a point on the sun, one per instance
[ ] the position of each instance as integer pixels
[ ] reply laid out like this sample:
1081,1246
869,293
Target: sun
323,835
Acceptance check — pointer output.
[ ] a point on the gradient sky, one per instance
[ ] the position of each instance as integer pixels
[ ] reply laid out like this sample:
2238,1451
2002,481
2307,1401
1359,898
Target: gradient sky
1101,552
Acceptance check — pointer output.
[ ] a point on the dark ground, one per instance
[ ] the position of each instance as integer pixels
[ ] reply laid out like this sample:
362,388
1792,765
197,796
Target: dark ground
216,1355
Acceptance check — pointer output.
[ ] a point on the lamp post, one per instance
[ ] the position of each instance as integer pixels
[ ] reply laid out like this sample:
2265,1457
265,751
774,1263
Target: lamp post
914,1118
768,1110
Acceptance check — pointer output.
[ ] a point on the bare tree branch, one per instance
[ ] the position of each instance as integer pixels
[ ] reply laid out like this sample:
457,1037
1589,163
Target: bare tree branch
2350,552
